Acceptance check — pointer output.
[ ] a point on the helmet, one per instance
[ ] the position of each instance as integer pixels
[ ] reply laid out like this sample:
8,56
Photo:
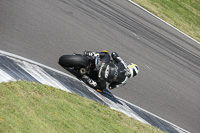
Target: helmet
132,70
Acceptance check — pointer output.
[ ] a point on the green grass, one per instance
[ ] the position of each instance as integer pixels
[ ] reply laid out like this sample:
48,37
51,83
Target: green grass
182,14
30,107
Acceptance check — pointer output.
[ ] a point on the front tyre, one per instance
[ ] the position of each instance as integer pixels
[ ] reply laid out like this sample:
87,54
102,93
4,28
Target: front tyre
73,60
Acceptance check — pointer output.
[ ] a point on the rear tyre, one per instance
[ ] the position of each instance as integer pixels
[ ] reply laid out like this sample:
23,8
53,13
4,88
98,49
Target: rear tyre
73,60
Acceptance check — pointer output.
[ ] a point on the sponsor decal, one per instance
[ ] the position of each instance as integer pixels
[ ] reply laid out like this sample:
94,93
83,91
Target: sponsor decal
101,70
116,72
107,71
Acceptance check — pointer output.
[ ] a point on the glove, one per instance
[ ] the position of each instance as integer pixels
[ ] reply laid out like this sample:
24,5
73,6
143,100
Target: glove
114,55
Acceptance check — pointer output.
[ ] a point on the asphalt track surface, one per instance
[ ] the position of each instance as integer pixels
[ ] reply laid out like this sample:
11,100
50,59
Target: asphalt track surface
168,82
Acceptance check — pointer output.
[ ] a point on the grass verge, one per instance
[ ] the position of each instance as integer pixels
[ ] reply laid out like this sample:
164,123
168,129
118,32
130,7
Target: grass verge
30,107
182,14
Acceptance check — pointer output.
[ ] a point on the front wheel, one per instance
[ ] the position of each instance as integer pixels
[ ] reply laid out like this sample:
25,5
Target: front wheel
73,60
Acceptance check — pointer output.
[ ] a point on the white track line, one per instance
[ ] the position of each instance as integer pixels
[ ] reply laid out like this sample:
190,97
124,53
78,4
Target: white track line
163,21
4,77
152,114
36,63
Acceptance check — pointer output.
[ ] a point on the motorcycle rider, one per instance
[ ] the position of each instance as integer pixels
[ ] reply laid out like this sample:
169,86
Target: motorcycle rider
115,71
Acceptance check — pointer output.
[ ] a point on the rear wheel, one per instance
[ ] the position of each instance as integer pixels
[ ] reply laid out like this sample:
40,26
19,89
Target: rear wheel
73,60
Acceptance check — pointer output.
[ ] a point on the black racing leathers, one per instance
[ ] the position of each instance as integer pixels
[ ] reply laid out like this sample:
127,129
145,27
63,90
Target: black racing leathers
111,71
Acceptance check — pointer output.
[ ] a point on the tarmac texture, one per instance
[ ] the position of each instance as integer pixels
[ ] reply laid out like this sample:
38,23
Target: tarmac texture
168,82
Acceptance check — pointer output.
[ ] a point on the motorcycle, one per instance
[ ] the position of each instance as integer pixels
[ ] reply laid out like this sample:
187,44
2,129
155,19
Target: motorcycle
79,65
